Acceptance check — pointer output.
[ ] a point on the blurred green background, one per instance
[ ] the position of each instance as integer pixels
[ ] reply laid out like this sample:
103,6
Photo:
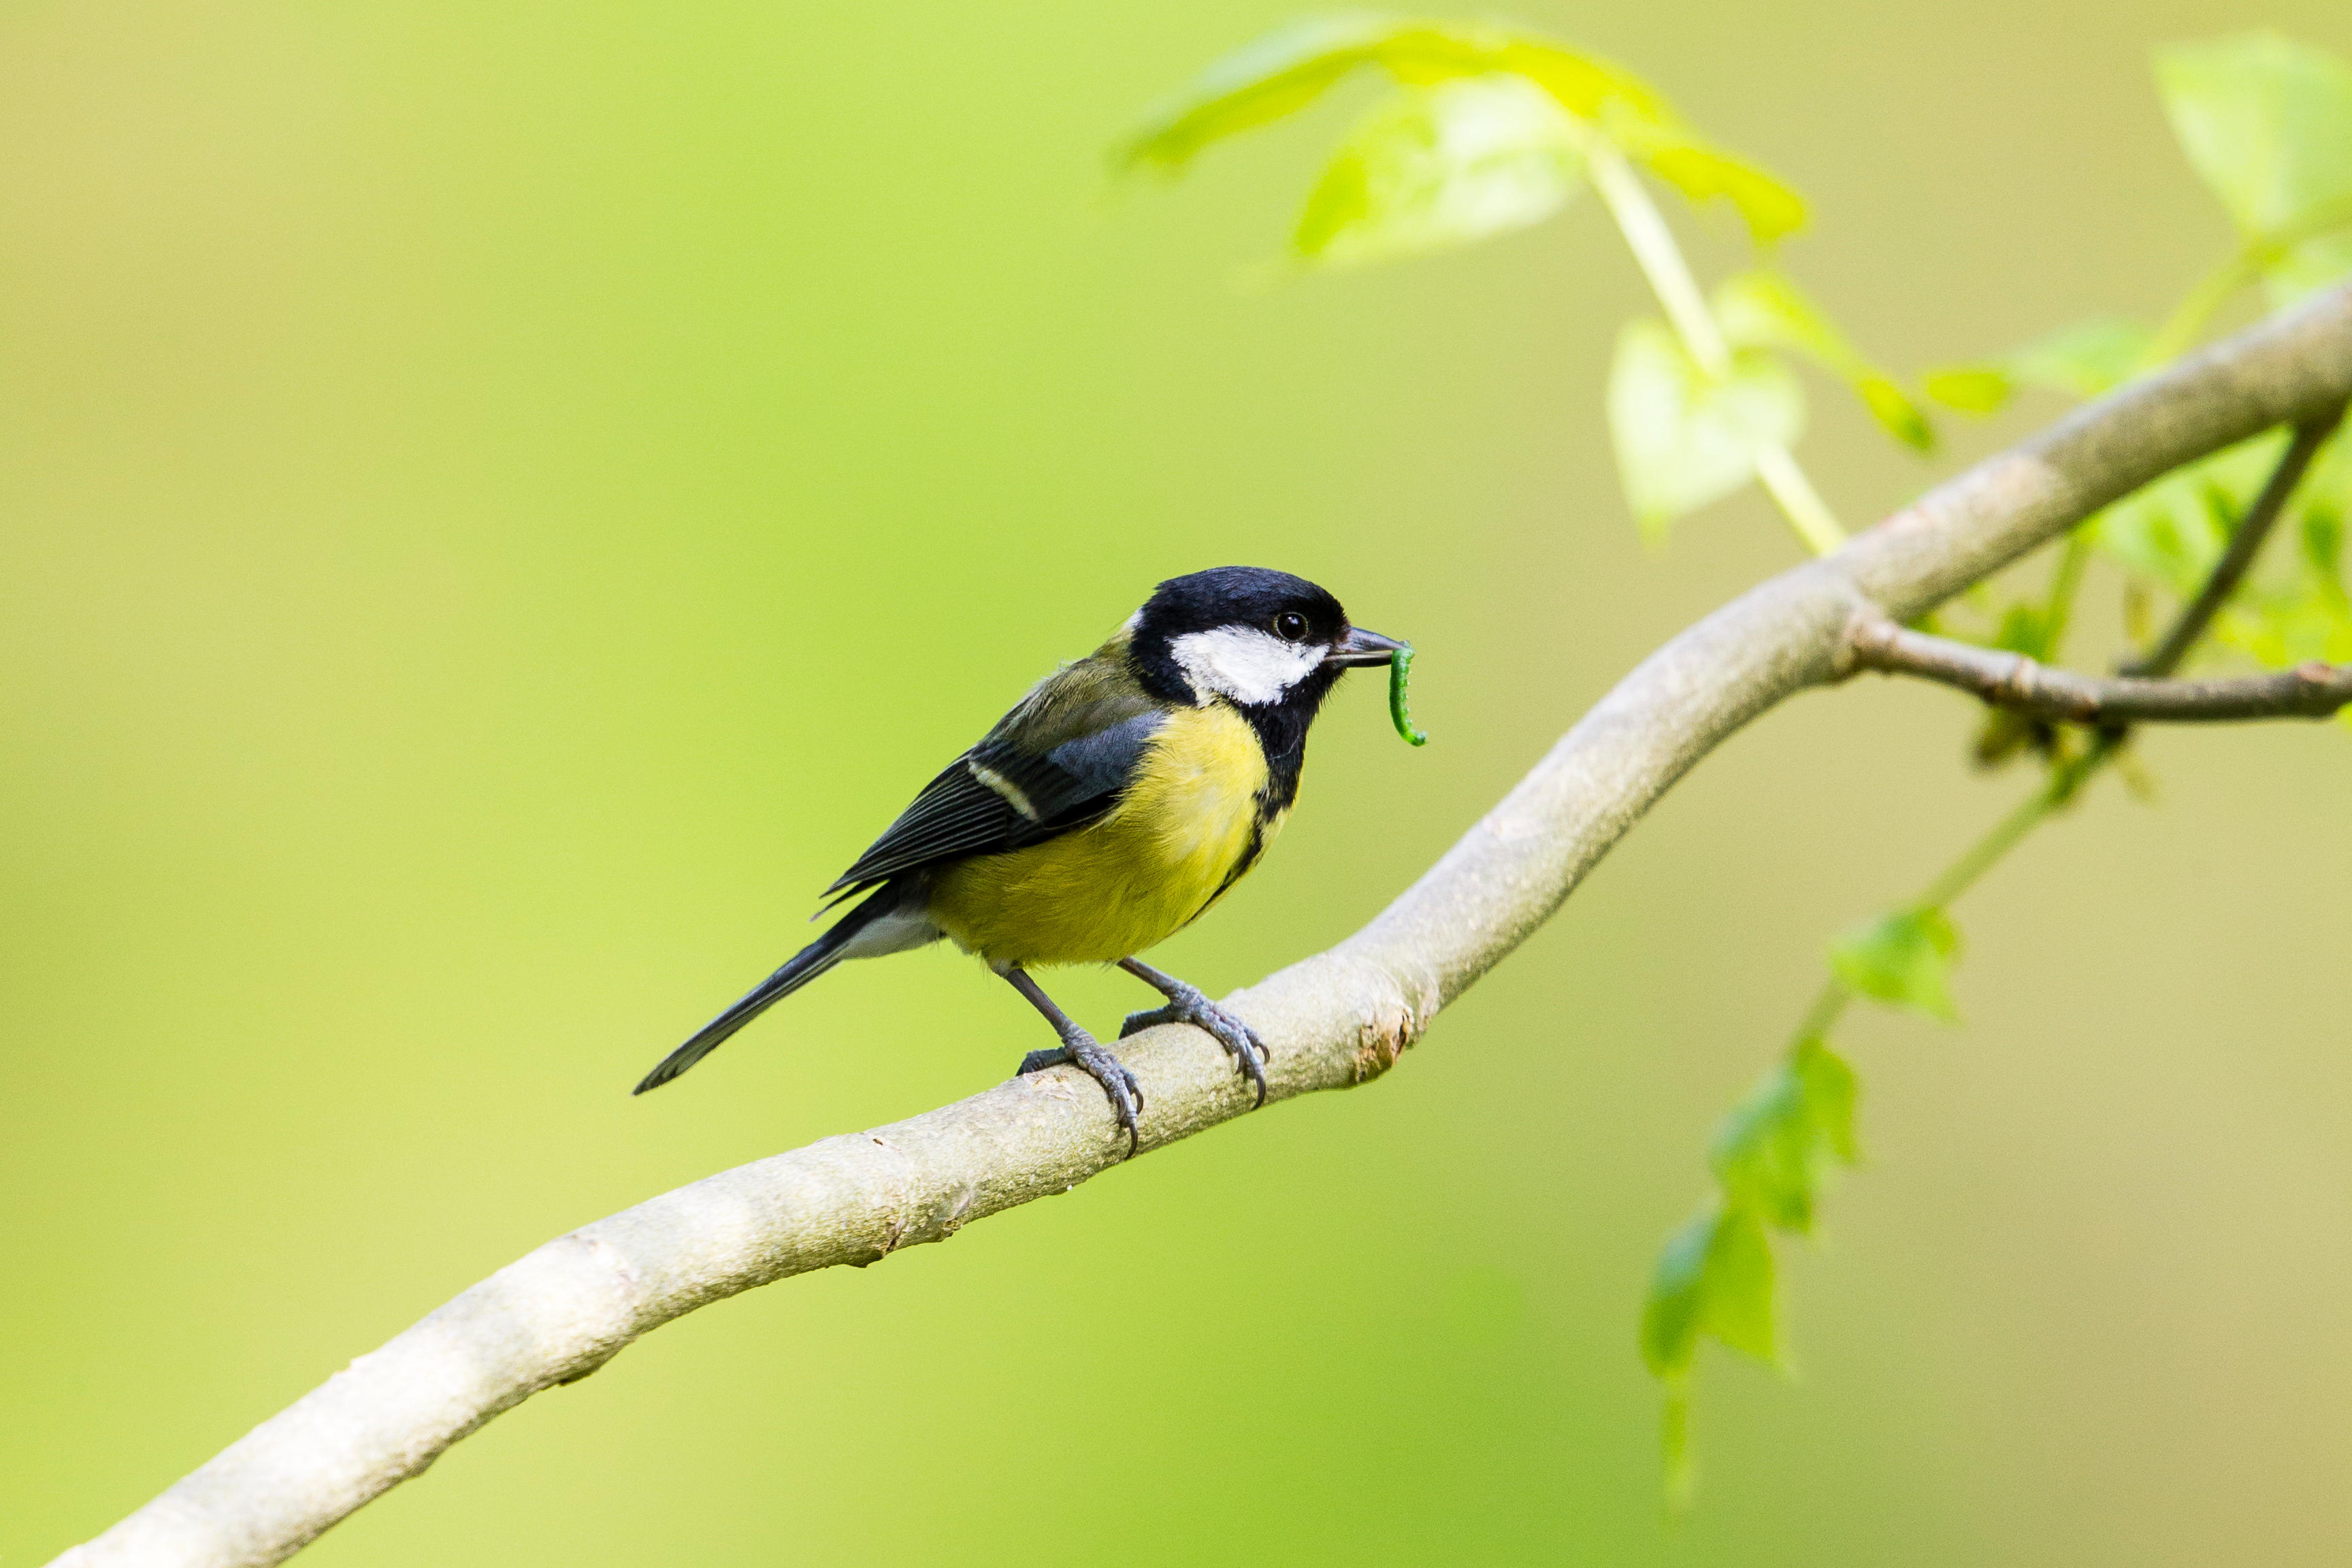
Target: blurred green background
500,504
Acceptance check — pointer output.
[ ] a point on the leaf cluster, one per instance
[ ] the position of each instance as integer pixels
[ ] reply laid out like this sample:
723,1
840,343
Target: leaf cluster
1470,94
1487,129
1772,1159
2266,122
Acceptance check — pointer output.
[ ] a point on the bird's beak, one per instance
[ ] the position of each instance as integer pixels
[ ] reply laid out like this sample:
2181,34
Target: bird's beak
1361,647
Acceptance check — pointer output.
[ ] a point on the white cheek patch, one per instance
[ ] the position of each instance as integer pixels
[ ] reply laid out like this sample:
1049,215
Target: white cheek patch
1243,663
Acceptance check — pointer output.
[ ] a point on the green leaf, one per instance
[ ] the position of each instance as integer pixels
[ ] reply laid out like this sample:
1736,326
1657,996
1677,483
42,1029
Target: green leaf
2323,546
1764,309
1714,1277
1438,166
1903,960
2328,485
1288,69
2083,361
2267,122
1703,171
1831,1093
1592,88
1684,438
2282,629
1263,81
2172,532
1775,1151
1970,388
1896,413
2087,359
2024,628
2308,615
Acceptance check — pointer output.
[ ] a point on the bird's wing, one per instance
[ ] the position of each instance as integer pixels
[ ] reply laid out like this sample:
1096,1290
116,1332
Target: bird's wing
1057,762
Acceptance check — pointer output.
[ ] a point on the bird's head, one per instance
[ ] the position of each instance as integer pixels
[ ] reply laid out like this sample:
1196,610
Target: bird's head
1256,639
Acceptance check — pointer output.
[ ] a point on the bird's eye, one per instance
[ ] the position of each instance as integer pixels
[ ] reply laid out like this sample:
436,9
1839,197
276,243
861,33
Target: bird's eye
1290,626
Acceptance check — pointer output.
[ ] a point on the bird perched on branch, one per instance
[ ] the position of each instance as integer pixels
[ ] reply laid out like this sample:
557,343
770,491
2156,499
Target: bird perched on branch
1108,810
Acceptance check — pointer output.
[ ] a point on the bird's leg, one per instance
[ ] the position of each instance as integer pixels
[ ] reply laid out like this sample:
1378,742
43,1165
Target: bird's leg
1080,1050
1186,1004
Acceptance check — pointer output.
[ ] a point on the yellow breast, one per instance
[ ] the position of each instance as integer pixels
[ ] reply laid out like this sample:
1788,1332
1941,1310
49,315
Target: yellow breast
1133,878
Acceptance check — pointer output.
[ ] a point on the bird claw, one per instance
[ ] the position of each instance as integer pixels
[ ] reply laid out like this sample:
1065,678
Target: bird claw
1038,1061
1191,1006
1119,1085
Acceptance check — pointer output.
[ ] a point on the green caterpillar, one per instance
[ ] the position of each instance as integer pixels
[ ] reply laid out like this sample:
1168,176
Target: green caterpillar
1399,668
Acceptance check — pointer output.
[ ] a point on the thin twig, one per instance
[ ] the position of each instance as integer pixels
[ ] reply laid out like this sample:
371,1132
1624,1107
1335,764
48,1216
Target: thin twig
2026,686
2058,788
2244,545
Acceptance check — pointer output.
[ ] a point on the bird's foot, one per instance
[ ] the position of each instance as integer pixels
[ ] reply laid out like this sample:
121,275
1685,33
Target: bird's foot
1188,1005
1079,1049
1038,1061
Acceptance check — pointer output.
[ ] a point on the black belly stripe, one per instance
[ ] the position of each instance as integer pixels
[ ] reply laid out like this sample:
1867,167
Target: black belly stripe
1248,856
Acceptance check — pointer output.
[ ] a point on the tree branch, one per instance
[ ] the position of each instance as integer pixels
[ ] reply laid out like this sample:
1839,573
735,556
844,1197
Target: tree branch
1338,1018
2022,685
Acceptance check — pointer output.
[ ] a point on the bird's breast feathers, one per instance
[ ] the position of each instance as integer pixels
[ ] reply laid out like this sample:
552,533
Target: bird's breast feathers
1193,818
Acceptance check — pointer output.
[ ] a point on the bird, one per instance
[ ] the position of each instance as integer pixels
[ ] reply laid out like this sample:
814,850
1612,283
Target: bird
1114,806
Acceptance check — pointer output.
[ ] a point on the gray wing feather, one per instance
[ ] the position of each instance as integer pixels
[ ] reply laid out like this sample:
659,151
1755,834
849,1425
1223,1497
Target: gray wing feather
1103,761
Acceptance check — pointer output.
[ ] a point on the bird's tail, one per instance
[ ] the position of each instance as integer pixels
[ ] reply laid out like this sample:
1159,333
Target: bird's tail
798,971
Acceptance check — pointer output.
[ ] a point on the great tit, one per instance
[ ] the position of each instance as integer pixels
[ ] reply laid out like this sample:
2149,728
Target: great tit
1108,811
